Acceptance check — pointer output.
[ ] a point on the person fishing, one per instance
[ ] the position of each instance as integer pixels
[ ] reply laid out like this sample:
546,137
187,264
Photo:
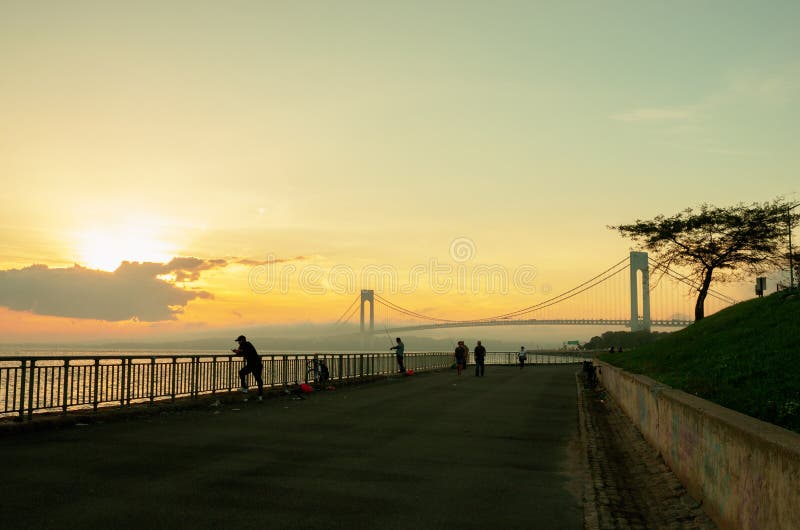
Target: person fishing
401,348
252,365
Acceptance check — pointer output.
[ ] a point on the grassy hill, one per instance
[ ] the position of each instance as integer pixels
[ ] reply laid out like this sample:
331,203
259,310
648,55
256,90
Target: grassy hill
746,358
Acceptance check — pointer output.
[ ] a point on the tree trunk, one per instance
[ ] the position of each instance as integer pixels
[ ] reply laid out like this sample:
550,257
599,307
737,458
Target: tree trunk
699,306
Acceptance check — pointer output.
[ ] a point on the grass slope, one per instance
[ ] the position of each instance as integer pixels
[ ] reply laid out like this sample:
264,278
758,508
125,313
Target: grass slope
746,358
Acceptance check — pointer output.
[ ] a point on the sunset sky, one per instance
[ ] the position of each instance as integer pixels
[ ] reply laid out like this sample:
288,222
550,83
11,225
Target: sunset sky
204,142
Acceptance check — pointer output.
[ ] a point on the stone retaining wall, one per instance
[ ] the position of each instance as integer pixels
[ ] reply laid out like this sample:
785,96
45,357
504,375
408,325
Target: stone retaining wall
746,472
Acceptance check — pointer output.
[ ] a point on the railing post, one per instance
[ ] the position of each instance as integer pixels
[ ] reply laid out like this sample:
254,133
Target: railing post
65,386
173,377
214,375
96,375
130,380
122,381
30,388
272,370
152,379
131,375
229,365
196,375
23,375
193,377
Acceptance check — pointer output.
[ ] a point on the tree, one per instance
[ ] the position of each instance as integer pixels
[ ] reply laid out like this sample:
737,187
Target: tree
717,243
624,339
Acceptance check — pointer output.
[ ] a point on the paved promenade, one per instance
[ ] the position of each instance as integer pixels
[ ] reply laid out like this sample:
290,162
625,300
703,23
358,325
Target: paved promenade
429,451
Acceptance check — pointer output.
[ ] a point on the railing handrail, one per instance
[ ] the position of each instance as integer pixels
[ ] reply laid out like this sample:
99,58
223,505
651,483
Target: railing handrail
267,354
61,383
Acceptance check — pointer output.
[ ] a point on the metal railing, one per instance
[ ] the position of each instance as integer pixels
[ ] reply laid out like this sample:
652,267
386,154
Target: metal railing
34,384
534,357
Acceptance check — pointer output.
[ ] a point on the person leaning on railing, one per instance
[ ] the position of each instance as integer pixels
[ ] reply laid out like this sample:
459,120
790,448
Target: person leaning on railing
252,365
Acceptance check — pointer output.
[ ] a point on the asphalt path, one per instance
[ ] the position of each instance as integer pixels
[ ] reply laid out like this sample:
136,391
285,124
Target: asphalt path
427,451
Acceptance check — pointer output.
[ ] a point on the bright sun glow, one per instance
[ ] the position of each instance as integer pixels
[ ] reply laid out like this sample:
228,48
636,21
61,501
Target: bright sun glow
106,249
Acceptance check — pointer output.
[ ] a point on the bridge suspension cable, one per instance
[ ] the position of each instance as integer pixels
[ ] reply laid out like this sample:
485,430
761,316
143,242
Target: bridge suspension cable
566,295
588,284
410,313
351,310
688,281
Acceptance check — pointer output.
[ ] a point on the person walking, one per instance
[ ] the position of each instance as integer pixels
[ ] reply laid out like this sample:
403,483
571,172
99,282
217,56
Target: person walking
522,355
480,356
252,365
401,348
461,357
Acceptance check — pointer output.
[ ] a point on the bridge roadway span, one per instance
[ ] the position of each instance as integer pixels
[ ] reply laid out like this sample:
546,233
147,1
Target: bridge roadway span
428,451
533,322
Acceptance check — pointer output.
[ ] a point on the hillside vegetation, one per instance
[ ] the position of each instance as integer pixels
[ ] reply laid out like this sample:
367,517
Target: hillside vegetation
746,358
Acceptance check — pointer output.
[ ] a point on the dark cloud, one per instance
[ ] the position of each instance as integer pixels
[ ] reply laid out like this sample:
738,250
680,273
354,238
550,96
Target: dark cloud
133,291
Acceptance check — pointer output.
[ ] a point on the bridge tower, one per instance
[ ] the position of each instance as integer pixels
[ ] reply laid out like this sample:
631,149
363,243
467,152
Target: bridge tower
638,263
368,295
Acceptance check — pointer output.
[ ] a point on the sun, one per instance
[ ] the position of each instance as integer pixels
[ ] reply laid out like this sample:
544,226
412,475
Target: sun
106,249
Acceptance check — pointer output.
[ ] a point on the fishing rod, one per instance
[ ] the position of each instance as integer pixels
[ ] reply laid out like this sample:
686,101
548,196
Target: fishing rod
386,327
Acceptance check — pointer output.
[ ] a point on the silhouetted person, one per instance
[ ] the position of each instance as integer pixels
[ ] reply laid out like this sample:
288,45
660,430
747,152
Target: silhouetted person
461,356
591,373
401,348
480,357
521,356
252,365
324,373
611,350
320,371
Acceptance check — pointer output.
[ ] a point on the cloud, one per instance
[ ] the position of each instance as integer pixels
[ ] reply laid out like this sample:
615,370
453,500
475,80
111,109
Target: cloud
132,292
135,290
188,269
657,114
269,261
743,88
775,86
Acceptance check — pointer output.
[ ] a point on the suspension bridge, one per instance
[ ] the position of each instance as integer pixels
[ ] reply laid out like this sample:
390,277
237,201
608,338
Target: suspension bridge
622,295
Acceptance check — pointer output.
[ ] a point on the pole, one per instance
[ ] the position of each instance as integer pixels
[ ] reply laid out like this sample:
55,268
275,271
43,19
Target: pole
791,258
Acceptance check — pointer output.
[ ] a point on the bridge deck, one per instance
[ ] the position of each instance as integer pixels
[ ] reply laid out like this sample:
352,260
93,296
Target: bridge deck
429,451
